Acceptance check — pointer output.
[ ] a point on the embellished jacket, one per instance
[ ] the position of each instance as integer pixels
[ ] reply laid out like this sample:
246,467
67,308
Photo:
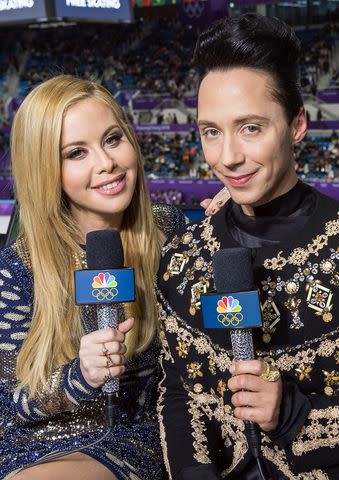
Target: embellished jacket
298,281
68,413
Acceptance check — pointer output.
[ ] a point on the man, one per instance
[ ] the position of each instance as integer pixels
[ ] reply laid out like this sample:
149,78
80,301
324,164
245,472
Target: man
250,115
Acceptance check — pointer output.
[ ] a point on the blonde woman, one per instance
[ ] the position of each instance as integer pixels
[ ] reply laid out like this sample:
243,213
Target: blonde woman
77,168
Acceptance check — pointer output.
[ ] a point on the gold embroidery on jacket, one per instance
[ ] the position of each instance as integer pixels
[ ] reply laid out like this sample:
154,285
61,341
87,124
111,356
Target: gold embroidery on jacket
232,429
160,407
300,255
316,434
286,362
201,454
278,458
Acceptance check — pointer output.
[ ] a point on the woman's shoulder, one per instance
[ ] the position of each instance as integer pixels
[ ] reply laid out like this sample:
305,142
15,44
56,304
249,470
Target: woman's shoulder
168,218
16,279
15,257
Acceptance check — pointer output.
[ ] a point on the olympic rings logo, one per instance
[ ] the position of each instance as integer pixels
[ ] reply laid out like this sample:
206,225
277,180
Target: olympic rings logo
105,293
230,319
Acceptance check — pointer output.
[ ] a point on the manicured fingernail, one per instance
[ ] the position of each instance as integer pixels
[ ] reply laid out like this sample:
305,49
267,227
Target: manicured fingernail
232,368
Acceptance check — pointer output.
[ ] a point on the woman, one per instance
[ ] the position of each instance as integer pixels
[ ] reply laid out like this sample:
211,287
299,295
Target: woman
77,168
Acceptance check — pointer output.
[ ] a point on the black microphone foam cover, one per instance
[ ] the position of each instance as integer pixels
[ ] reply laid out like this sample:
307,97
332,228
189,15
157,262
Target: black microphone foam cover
233,270
104,249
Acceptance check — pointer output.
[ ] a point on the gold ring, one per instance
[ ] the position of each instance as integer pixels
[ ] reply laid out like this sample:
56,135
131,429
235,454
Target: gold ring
104,349
270,375
109,362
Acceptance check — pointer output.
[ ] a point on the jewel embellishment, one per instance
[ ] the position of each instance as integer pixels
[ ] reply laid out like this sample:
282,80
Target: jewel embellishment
196,291
319,298
271,316
293,306
303,371
176,265
331,382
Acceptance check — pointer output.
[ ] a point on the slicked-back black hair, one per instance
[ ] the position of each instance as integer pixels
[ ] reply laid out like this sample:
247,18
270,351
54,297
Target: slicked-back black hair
258,42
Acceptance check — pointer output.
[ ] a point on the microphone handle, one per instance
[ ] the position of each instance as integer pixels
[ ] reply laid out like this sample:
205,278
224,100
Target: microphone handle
242,344
110,316
243,349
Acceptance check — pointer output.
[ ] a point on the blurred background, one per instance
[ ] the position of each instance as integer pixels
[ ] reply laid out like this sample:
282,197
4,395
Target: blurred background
141,51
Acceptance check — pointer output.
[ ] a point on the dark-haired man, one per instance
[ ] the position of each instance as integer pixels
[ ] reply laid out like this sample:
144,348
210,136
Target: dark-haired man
250,115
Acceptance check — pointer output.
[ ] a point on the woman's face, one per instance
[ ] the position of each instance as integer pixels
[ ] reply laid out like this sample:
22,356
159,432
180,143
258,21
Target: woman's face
99,166
245,135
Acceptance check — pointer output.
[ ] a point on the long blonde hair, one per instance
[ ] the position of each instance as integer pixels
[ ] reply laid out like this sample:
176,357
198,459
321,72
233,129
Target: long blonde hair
50,232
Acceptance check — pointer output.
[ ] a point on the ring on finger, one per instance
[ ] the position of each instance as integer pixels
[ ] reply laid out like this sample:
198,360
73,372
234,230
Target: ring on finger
109,362
104,349
270,375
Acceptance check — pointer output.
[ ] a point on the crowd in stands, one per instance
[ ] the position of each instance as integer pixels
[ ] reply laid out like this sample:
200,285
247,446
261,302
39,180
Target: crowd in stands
157,61
318,158
170,197
317,50
86,50
171,155
154,58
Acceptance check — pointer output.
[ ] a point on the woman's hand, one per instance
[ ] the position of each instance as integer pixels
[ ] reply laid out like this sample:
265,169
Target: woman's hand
212,206
102,353
254,398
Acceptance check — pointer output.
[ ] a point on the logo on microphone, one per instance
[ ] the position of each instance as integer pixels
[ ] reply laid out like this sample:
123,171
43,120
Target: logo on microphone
104,286
229,310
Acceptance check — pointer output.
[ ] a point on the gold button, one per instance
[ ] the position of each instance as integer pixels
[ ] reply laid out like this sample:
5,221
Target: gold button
327,317
328,391
292,287
266,338
197,387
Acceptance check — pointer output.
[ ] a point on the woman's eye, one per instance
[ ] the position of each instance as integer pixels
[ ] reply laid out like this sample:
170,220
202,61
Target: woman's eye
113,139
74,153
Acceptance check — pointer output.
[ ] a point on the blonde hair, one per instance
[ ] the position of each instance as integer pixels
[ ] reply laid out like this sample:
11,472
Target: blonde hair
50,232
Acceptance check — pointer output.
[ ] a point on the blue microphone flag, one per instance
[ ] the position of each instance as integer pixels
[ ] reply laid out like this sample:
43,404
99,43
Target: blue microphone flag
104,286
231,310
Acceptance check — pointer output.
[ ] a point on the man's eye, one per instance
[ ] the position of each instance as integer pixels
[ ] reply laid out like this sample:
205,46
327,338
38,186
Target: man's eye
211,132
252,129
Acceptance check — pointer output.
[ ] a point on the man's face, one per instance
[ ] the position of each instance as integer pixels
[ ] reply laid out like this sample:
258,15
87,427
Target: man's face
245,135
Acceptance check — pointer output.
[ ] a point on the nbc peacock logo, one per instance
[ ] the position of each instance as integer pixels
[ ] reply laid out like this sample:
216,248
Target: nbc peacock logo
104,286
229,310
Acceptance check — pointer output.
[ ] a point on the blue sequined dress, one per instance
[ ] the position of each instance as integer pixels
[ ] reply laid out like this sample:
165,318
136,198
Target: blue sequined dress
68,413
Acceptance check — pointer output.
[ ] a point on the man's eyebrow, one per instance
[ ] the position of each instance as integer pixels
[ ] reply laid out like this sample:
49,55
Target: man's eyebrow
237,121
207,123
251,118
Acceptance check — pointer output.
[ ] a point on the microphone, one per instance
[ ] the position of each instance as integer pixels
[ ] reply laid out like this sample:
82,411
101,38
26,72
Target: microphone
236,306
106,284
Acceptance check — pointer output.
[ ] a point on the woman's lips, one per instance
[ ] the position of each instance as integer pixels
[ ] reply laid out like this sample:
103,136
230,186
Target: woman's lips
113,188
